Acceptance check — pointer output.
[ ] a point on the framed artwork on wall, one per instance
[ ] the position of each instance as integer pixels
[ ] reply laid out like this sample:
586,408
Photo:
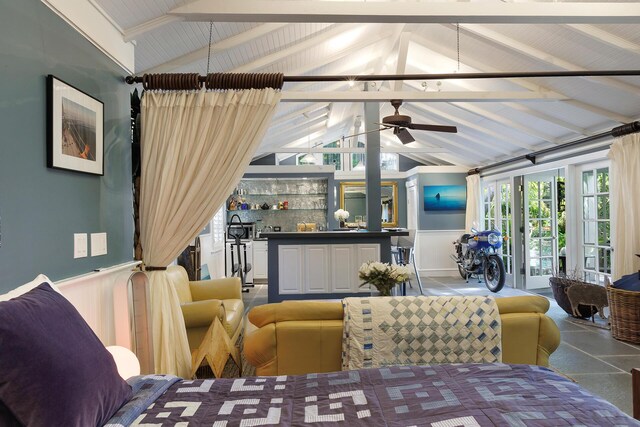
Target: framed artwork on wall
445,197
75,129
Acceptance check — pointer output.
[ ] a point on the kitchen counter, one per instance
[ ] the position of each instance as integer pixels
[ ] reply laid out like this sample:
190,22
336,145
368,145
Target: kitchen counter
323,264
333,234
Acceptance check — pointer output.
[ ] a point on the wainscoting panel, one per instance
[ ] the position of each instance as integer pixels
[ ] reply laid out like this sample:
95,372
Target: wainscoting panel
433,250
94,296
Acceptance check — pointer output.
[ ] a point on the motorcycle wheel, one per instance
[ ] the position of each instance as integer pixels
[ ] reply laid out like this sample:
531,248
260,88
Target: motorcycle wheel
462,272
494,275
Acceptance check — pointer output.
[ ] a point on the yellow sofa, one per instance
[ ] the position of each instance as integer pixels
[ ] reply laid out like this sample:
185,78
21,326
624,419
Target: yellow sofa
299,337
201,301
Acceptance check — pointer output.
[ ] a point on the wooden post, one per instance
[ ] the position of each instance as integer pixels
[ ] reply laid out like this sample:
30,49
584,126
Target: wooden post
635,392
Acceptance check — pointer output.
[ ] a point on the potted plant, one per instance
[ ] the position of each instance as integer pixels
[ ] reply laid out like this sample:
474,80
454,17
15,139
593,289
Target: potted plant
341,215
383,276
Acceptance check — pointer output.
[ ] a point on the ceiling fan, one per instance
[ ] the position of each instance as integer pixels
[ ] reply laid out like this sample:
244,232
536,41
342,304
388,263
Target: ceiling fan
400,123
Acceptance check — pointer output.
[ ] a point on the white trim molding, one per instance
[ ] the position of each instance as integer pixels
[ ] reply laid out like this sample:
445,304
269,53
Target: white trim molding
89,20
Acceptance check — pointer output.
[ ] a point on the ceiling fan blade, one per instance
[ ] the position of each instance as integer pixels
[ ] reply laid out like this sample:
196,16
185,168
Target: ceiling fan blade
404,136
434,128
387,125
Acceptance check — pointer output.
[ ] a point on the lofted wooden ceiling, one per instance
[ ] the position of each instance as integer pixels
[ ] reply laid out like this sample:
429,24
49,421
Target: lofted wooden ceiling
496,119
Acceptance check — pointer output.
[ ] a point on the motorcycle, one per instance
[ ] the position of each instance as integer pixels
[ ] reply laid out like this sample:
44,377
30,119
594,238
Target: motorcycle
477,253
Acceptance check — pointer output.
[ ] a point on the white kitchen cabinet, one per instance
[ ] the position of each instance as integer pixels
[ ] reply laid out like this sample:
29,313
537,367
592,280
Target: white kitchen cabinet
290,268
260,259
343,264
317,269
323,268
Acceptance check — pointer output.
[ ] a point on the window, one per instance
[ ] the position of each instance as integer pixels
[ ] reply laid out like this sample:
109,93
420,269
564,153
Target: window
389,161
596,225
332,158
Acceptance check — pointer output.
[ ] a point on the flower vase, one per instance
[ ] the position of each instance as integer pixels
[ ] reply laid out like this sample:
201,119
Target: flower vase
342,224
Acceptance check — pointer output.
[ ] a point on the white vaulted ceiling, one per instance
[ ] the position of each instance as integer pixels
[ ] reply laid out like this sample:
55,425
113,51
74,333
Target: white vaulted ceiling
496,119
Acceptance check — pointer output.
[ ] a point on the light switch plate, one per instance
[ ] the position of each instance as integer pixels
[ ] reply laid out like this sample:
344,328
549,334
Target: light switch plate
79,245
98,244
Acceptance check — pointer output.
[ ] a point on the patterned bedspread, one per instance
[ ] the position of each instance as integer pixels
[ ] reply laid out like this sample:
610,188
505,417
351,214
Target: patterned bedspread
438,396
383,331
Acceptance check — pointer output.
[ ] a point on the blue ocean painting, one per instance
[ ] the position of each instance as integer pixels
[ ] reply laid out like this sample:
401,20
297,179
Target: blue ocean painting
445,197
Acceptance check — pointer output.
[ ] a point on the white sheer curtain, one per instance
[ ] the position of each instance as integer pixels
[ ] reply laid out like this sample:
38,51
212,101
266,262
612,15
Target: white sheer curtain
625,207
473,202
195,147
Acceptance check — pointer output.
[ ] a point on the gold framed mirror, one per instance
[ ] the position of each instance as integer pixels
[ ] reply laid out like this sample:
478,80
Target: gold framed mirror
353,196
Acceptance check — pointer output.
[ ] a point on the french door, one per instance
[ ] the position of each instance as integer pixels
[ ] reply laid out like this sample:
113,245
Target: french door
497,208
595,250
540,228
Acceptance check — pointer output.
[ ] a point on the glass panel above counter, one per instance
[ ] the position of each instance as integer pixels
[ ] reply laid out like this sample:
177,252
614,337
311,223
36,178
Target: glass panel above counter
280,202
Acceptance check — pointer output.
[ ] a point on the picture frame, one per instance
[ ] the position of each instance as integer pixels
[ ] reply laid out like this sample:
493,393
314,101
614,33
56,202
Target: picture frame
75,129
445,197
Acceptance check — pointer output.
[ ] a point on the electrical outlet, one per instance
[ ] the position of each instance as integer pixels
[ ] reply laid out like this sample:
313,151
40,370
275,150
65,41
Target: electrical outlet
98,244
79,245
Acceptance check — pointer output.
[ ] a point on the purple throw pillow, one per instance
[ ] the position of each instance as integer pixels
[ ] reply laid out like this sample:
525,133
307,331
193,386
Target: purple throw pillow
53,369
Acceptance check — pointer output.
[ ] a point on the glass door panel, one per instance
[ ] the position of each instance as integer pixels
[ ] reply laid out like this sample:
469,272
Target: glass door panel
504,220
540,228
596,225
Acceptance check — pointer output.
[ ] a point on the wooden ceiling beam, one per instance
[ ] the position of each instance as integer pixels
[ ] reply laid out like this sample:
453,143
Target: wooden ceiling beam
408,12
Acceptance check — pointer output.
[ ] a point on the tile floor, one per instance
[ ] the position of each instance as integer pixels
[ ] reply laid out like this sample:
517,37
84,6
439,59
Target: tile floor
587,354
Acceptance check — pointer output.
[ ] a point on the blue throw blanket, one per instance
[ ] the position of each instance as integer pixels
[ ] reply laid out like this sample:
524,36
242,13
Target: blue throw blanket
630,282
146,389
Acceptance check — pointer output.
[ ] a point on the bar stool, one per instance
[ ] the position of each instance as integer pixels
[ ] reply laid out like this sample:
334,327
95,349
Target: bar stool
402,250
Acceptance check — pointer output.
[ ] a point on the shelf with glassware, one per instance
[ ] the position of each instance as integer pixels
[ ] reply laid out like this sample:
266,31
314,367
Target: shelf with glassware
266,202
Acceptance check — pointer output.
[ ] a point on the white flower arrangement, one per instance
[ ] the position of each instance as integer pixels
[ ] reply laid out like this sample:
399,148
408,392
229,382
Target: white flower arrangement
383,276
341,215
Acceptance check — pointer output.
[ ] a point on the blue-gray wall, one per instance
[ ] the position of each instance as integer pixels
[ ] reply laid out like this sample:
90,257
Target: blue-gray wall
41,208
405,163
434,220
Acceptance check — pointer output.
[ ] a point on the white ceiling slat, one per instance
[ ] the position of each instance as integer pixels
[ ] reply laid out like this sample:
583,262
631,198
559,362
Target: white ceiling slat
500,118
298,47
482,112
463,136
462,122
294,96
482,66
547,118
603,36
405,12
305,125
299,113
538,55
151,25
223,45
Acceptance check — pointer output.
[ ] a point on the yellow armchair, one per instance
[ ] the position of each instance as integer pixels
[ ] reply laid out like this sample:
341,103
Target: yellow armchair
201,301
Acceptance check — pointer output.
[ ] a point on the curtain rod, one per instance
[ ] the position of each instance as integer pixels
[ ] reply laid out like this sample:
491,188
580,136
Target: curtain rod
182,81
617,131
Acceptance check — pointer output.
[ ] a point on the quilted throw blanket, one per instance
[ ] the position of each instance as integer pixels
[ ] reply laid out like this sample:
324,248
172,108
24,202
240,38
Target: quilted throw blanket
382,331
478,395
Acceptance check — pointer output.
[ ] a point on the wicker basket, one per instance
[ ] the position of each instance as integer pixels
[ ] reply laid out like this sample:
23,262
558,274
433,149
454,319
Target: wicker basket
624,315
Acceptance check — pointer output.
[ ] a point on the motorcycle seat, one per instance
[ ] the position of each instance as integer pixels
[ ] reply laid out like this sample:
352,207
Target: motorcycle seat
465,238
